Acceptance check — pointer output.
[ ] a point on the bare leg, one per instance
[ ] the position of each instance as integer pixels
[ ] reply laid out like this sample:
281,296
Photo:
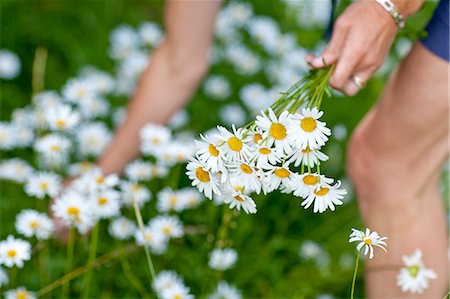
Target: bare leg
395,159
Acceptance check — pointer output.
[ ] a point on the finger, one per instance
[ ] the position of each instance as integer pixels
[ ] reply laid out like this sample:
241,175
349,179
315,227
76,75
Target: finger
346,64
353,86
333,49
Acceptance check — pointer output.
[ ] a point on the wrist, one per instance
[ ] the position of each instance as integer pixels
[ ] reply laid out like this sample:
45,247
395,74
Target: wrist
408,7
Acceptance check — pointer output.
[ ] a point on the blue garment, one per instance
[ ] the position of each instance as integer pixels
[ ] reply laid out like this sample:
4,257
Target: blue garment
437,40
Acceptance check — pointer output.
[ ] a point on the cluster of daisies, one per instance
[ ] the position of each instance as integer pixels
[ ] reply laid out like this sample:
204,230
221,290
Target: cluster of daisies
230,165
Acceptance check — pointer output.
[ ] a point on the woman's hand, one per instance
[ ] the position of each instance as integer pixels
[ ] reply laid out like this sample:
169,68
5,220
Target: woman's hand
361,39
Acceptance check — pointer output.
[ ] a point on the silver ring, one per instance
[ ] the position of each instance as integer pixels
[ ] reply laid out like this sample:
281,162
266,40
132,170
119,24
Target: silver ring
358,82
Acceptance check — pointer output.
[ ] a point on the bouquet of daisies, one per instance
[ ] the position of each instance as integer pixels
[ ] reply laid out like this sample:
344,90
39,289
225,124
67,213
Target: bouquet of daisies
281,150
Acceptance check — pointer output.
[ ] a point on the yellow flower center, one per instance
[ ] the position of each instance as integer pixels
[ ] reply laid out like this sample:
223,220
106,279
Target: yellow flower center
213,150
202,176
11,253
322,191
308,124
54,148
60,123
257,137
156,140
102,201
239,198
235,144
306,150
166,230
310,180
177,296
44,185
148,236
34,224
278,131
413,270
264,151
21,295
173,201
282,173
74,211
239,188
245,168
100,180
367,240
136,187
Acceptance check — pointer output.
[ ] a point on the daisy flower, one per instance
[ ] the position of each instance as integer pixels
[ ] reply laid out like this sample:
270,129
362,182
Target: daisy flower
80,168
169,200
225,290
7,136
277,176
217,87
202,178
122,228
277,129
190,197
19,293
169,226
138,171
307,157
92,138
307,131
232,144
43,184
305,184
153,136
414,276
166,280
62,118
106,204
9,64
132,192
53,146
73,209
222,259
77,91
245,175
235,198
96,181
32,223
155,240
13,252
15,170
367,240
325,196
176,292
265,157
209,153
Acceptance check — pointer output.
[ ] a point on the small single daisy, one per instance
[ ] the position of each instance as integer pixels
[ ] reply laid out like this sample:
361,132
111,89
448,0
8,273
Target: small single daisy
19,293
209,153
153,136
414,276
190,197
169,200
232,144
277,176
166,280
225,290
138,171
169,226
367,240
305,184
62,118
246,175
276,128
97,181
43,184
325,196
203,179
266,157
122,228
306,129
177,292
32,223
74,210
155,240
222,259
134,192
106,203
14,252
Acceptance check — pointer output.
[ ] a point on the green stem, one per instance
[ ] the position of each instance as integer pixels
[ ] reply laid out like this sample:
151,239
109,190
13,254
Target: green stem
43,264
70,245
137,212
354,275
130,276
92,253
38,77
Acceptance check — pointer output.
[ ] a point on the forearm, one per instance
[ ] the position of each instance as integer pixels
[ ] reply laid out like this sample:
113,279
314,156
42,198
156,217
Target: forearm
164,87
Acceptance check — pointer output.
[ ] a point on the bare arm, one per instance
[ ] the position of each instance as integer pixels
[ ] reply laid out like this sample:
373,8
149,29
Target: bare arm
176,68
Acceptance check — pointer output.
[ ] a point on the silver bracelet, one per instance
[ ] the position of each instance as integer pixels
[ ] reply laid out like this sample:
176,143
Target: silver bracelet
392,10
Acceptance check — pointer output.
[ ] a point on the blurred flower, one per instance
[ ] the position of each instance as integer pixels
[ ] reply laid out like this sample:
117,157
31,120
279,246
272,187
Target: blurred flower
62,117
53,148
123,41
152,238
133,192
367,240
233,114
7,136
9,64
176,292
43,184
414,276
15,170
150,34
169,226
32,223
74,210
169,200
106,203
152,137
122,228
138,171
255,97
92,138
80,168
217,87
78,90
265,32
222,259
94,107
13,252
340,132
225,291
179,119
244,61
190,197
19,293
4,279
166,280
